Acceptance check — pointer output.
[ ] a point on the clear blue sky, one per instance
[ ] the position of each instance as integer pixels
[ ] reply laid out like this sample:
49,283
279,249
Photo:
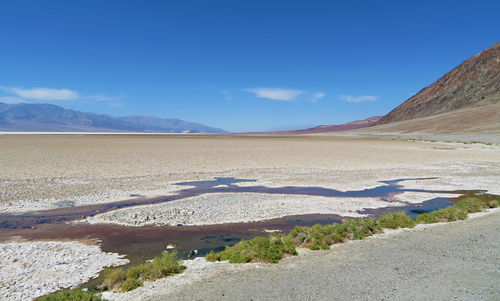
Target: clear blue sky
236,65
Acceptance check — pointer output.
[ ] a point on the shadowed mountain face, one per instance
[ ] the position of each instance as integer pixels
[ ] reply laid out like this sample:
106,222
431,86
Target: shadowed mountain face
52,118
473,83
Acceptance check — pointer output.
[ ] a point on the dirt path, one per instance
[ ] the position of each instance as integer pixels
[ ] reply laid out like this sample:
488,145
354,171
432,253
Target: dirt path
455,261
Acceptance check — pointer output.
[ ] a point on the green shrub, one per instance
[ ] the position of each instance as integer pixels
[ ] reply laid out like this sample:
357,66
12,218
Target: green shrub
113,278
130,284
427,218
449,214
163,266
316,237
262,249
160,267
212,256
470,205
321,237
71,295
493,204
396,220
459,211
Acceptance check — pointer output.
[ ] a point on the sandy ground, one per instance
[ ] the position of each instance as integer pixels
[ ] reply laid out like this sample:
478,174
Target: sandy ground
32,269
222,208
445,261
40,171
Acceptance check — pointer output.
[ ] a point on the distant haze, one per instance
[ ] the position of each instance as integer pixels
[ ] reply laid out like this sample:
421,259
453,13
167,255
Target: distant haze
52,118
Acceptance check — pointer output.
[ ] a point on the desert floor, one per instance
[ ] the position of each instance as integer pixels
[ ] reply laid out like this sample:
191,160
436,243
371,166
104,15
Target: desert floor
41,171
38,171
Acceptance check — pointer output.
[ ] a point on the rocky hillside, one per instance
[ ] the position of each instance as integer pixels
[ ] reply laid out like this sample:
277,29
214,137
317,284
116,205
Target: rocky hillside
475,82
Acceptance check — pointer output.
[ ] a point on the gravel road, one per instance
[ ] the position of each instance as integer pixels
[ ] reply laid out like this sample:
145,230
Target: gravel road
454,261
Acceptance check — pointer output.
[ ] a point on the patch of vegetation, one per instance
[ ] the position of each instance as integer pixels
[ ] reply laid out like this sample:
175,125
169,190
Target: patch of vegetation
76,294
494,204
396,220
167,264
113,278
130,284
321,237
459,211
258,249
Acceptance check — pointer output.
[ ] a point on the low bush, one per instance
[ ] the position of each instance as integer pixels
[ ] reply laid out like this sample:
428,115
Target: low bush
71,295
442,215
212,256
459,211
321,237
130,284
258,249
160,267
396,220
167,264
316,237
113,278
470,205
494,203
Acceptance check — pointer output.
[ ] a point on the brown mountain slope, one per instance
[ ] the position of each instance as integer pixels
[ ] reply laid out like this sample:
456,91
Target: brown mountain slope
475,82
358,124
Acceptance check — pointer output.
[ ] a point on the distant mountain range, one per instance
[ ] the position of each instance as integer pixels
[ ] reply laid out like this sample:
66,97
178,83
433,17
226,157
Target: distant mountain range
51,118
466,99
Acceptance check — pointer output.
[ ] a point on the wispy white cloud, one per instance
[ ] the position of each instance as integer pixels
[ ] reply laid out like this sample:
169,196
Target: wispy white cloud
358,98
49,94
276,93
42,93
317,96
286,94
